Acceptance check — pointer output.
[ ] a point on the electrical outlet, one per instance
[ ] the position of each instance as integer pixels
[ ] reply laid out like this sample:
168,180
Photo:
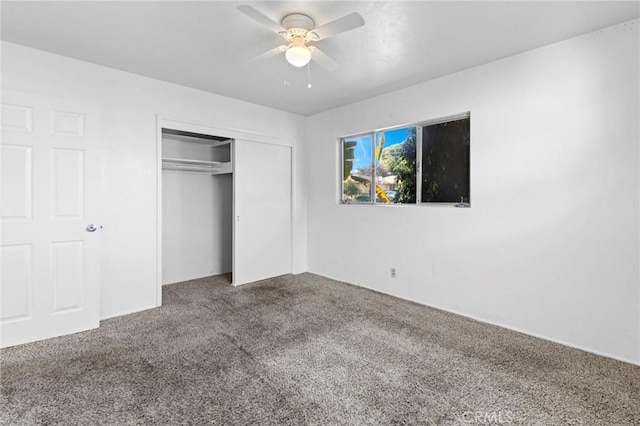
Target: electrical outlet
393,272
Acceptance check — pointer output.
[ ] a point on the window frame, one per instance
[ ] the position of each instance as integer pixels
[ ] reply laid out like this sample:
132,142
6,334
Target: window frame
418,128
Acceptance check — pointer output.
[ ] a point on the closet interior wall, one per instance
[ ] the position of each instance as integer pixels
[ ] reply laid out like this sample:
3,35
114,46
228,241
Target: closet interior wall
196,207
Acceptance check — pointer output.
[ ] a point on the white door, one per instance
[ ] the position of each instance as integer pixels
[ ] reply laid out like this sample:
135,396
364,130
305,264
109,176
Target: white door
262,211
49,194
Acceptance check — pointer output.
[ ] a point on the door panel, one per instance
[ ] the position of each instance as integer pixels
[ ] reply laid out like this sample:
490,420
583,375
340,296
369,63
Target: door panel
262,211
68,180
50,174
16,117
67,275
16,182
16,282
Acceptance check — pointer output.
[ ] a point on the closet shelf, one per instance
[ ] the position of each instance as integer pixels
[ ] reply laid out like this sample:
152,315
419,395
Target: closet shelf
220,143
196,166
189,161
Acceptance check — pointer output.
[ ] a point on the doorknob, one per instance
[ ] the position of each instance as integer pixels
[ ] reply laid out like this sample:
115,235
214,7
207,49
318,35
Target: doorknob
91,227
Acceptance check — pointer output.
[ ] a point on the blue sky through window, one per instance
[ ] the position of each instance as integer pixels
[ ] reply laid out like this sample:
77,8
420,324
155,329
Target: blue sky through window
362,152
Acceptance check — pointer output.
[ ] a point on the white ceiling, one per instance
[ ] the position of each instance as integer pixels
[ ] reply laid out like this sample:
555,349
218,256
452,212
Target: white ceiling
208,45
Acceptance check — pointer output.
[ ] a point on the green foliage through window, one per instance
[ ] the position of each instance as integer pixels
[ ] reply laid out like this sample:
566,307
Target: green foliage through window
402,165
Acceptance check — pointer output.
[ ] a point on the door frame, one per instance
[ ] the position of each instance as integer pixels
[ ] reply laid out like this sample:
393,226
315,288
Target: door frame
164,122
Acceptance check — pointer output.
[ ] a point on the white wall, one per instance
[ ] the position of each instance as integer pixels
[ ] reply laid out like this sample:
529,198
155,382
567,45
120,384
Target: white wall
130,104
196,215
551,245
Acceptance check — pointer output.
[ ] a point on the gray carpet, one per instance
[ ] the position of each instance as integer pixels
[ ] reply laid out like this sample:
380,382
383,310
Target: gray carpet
308,350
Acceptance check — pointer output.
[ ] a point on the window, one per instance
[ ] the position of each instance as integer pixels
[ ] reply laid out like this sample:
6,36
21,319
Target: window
425,163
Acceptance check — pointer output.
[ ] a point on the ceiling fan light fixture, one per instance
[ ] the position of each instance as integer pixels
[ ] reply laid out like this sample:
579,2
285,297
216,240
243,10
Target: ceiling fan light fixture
298,54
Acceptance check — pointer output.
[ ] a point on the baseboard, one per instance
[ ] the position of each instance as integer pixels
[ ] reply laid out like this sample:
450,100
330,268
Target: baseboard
133,311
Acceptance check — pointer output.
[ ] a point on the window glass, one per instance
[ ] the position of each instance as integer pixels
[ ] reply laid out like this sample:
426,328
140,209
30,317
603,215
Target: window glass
446,162
395,159
357,169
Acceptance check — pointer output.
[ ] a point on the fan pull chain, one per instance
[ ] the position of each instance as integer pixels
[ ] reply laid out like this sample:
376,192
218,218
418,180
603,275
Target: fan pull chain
309,75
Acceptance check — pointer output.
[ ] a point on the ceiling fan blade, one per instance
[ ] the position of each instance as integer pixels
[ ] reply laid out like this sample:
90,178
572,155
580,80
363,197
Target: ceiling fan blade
340,25
260,18
324,61
269,54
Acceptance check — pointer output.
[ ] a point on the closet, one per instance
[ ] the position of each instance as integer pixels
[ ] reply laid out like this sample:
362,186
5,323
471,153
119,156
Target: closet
225,204
197,205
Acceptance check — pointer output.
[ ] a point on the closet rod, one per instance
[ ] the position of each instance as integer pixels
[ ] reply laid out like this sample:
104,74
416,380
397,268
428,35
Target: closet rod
189,161
187,167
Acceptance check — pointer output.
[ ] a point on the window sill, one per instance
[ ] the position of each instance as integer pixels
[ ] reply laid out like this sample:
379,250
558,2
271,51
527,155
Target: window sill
392,205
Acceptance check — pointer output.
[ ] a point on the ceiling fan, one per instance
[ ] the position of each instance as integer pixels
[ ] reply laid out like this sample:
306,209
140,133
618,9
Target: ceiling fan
299,30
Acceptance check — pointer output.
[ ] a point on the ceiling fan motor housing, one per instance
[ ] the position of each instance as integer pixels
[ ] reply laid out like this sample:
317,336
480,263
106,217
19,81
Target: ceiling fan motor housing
297,20
298,26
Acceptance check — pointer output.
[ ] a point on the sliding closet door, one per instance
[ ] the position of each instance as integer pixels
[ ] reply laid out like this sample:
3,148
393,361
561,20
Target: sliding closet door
262,211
